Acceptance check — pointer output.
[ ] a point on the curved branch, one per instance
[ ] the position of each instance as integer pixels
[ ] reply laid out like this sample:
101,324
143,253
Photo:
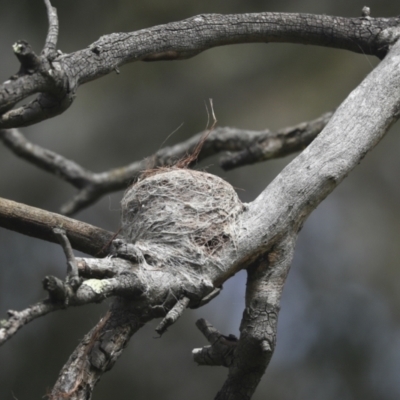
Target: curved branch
187,38
45,159
45,106
14,90
50,47
248,147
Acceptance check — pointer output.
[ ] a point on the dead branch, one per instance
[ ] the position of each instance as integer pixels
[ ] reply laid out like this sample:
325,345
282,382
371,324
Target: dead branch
176,41
50,47
39,223
247,147
253,352
188,230
277,144
98,351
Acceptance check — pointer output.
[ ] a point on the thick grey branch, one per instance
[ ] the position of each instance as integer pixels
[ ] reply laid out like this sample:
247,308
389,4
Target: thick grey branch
187,38
265,282
45,106
356,127
98,351
14,90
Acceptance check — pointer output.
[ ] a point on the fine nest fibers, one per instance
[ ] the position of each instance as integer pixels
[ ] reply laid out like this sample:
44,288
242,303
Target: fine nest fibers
179,219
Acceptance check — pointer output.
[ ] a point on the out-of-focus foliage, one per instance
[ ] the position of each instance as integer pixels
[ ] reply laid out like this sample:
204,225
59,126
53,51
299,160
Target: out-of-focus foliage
338,334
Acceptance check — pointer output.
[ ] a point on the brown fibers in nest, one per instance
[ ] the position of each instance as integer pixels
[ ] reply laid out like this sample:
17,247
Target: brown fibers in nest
180,219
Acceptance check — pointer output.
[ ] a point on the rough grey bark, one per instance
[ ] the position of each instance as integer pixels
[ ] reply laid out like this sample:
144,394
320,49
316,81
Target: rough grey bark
253,352
98,351
57,79
184,233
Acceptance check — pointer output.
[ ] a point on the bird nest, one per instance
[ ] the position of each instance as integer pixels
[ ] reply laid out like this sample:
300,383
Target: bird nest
180,219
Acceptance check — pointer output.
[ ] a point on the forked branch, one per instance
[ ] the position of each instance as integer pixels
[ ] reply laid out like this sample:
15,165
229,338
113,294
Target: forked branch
253,351
244,147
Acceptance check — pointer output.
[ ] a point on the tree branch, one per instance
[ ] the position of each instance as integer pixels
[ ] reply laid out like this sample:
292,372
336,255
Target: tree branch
221,350
50,47
98,351
249,147
17,319
357,126
277,144
116,278
39,223
185,39
36,75
253,351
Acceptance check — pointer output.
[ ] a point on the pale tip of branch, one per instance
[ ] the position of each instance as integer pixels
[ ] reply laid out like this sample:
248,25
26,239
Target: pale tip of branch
265,346
365,12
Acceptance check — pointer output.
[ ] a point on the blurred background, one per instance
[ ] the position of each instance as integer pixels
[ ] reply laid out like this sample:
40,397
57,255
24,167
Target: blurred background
339,328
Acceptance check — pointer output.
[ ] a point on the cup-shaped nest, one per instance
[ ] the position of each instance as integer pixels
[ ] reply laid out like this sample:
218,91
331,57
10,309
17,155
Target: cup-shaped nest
180,218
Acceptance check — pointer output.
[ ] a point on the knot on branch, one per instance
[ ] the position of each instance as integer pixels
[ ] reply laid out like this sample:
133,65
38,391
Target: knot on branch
30,62
221,350
59,291
366,12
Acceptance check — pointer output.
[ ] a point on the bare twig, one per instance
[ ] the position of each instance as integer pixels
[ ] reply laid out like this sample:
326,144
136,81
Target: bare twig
50,48
45,159
39,223
17,319
72,270
173,315
221,350
277,144
248,147
63,294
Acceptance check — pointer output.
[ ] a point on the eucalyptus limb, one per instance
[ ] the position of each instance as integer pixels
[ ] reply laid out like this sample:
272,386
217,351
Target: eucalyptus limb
57,77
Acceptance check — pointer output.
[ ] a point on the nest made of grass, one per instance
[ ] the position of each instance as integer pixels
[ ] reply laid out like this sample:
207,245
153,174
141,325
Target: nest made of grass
180,219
